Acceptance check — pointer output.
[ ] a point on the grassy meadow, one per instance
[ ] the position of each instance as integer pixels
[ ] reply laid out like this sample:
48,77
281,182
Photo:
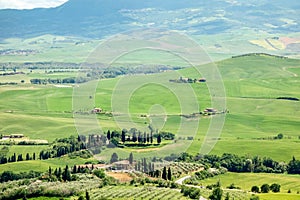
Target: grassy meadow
252,85
246,180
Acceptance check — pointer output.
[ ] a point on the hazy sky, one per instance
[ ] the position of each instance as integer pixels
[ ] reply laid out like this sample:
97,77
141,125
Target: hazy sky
29,4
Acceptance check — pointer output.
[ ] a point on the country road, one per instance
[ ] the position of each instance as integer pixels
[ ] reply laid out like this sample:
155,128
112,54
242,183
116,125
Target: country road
180,182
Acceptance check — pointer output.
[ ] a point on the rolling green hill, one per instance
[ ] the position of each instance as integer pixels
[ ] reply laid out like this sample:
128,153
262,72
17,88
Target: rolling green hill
255,115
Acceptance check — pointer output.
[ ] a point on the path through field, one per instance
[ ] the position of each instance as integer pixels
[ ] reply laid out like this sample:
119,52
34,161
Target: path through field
180,182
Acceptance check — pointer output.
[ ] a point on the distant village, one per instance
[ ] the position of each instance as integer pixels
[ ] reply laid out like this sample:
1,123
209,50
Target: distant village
188,80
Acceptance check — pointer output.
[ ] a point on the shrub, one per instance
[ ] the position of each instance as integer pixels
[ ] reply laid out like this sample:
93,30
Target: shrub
255,189
275,187
265,188
99,173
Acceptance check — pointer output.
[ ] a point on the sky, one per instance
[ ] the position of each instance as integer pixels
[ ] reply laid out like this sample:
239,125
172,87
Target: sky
29,4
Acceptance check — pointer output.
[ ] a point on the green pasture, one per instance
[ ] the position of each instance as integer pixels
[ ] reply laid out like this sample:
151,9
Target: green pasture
272,196
42,165
252,84
246,180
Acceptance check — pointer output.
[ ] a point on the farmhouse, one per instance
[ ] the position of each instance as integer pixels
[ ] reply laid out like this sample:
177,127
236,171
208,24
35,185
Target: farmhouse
210,111
123,165
202,80
97,110
14,136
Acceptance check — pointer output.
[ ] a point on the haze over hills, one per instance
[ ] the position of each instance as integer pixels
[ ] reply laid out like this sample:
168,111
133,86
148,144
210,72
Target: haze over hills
98,18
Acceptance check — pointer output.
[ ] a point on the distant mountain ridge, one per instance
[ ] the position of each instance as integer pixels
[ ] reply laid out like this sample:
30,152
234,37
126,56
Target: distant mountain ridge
98,18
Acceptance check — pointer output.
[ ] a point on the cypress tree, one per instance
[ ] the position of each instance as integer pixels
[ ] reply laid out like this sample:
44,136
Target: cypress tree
151,137
158,139
74,169
169,174
164,174
108,135
27,156
50,171
87,196
130,158
134,138
123,136
145,137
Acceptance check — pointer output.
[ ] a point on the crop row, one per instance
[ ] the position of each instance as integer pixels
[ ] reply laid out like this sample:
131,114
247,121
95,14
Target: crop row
123,192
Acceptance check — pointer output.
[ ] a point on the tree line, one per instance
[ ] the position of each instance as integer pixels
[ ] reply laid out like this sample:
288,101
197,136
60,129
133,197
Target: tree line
59,148
235,163
39,81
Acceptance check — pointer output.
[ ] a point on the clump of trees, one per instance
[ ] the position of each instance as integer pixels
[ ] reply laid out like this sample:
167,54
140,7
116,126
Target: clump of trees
134,137
62,147
266,188
193,193
59,148
235,163
11,176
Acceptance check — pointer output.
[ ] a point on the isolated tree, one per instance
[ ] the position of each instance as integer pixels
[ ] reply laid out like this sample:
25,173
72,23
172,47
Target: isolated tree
164,173
158,139
255,189
275,187
114,158
280,136
130,158
265,188
169,174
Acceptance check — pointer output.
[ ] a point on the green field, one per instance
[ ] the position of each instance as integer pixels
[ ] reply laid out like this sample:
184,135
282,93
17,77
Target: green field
279,196
147,192
246,180
42,166
252,85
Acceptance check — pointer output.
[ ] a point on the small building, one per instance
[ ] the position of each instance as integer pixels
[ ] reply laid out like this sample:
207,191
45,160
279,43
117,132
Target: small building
14,136
210,111
97,110
202,80
123,165
5,137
